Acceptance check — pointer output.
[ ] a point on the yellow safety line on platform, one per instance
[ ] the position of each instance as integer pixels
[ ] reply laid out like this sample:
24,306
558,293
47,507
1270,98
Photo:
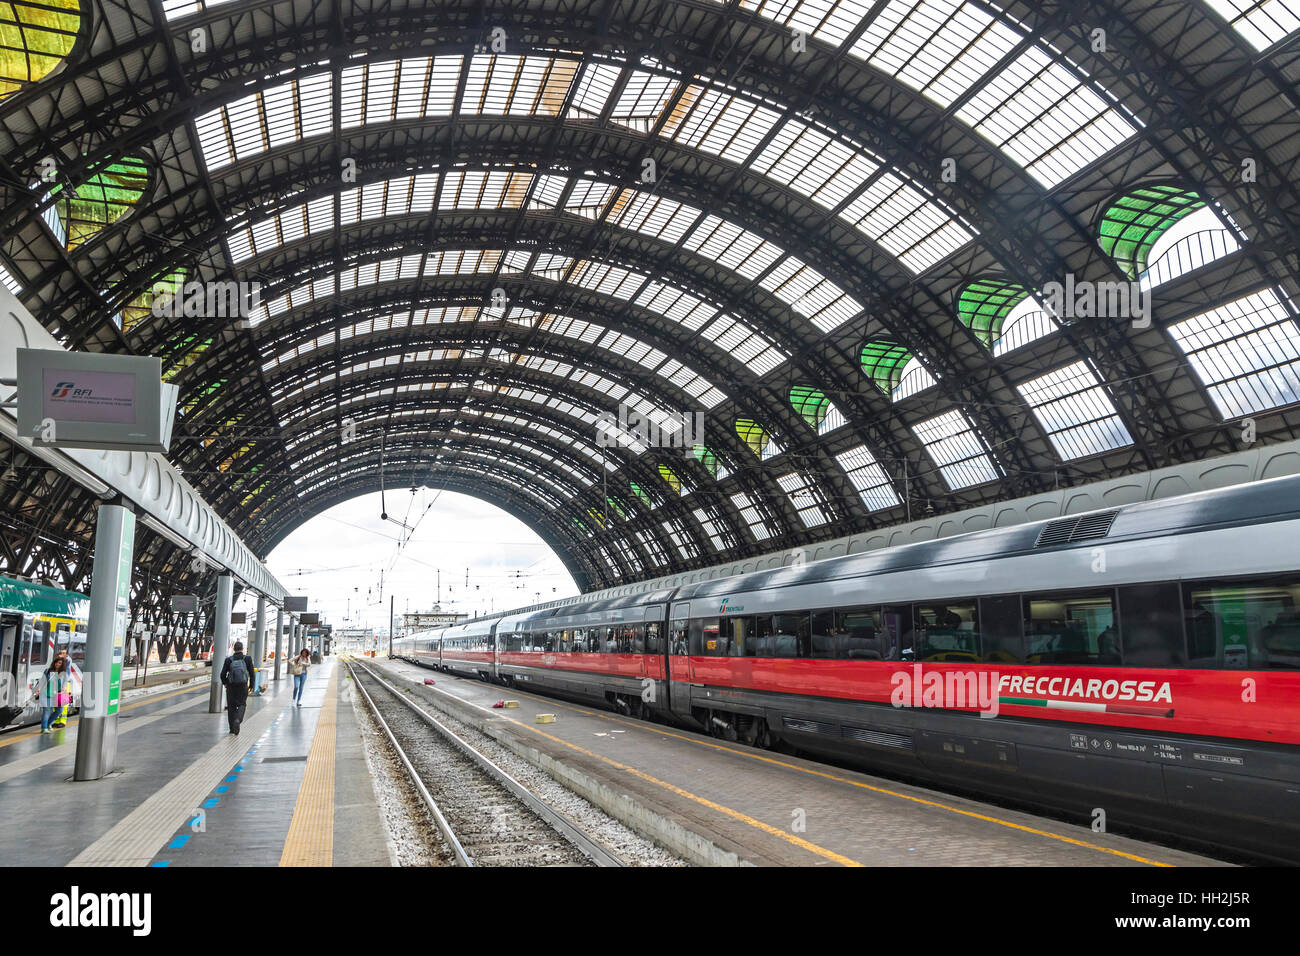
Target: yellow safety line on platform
829,776
310,841
153,698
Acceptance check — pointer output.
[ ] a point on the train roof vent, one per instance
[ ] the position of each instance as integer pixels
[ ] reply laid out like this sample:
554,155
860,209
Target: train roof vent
1068,530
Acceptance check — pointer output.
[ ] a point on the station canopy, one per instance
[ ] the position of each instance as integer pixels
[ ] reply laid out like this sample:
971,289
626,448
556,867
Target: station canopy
672,282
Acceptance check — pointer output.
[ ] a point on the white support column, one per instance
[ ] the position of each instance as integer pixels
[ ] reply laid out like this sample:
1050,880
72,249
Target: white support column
259,641
279,639
220,638
101,676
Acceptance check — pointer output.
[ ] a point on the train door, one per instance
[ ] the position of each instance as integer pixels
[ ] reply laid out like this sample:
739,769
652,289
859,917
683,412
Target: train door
677,663
11,690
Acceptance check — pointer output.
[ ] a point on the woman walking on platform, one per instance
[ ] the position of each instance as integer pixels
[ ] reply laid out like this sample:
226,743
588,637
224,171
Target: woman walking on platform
298,668
55,691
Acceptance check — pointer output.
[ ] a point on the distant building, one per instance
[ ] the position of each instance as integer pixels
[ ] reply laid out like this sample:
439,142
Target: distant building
423,620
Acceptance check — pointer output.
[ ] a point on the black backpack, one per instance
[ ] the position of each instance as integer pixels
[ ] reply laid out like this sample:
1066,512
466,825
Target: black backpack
238,671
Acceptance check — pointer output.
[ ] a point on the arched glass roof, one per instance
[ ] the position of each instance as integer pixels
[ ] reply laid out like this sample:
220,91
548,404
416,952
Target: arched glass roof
672,294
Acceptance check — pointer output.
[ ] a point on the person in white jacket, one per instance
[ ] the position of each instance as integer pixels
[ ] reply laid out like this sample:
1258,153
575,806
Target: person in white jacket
298,668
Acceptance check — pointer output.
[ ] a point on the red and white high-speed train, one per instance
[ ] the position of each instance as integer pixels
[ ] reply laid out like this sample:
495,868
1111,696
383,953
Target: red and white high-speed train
1143,659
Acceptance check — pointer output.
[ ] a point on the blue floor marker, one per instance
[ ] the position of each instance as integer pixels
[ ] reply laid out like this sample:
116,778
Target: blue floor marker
179,842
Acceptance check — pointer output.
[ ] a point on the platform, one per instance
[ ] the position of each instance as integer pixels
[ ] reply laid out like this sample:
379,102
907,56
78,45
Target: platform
768,808
291,789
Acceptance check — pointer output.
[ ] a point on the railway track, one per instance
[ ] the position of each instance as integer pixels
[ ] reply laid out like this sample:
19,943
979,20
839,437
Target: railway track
485,816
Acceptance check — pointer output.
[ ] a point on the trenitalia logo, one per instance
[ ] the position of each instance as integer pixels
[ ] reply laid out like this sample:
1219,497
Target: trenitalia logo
734,609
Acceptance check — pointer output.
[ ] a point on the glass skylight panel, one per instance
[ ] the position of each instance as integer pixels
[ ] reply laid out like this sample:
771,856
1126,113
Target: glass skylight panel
1247,353
732,246
9,282
752,516
643,99
938,47
1195,240
719,123
834,419
803,496
676,304
594,89
811,294
1075,411
608,279
711,527
685,545
744,344
955,447
252,124
483,189
1262,22
655,549
815,164
664,219
830,21
1027,322
1045,117
868,478
914,378
906,223
691,383
1036,109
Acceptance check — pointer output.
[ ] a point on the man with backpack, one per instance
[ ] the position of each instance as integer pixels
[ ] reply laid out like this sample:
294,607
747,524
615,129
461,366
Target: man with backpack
237,675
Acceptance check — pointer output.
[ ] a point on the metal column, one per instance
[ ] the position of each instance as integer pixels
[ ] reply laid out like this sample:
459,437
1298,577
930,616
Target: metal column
279,638
110,608
220,638
259,641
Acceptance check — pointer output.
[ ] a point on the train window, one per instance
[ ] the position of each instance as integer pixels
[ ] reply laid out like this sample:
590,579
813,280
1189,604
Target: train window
859,636
1000,630
790,635
896,622
738,634
679,638
653,645
1234,624
33,646
1151,623
823,635
1071,628
695,638
710,641
947,631
638,638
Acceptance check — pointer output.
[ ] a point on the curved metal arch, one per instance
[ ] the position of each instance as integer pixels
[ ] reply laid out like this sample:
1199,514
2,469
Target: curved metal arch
999,434
584,571
500,336
974,367
639,468
669,268
481,463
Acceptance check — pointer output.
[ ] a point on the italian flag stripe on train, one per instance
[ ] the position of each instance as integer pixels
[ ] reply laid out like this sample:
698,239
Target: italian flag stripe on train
1141,710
